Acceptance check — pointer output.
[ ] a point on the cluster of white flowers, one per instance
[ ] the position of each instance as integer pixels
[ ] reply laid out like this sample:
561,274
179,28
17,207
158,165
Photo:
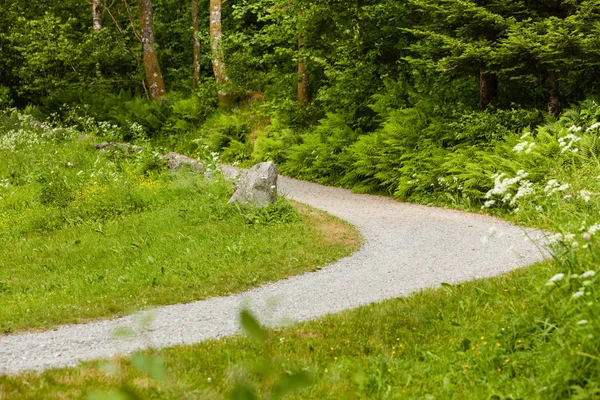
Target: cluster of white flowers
588,274
553,186
588,233
503,188
137,130
525,189
593,127
555,278
524,147
593,229
566,142
585,195
565,238
106,129
19,138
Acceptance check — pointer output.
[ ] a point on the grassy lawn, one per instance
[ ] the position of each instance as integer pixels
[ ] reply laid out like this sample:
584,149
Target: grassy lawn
476,340
87,235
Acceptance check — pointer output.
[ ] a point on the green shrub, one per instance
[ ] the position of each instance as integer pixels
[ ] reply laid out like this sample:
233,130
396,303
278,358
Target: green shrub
221,130
321,155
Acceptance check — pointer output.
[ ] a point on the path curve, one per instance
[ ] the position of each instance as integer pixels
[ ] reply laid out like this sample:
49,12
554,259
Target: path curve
407,248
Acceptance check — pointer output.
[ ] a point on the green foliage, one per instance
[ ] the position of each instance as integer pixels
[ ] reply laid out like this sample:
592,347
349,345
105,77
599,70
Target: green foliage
229,134
321,154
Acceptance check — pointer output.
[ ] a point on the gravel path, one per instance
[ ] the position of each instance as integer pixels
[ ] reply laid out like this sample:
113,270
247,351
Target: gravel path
407,248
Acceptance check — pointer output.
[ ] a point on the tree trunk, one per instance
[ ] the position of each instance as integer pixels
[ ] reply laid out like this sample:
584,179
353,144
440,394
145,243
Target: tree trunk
97,15
553,94
196,31
303,83
488,88
154,79
216,45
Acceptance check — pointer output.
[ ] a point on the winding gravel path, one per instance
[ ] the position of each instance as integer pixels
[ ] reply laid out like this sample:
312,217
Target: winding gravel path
407,248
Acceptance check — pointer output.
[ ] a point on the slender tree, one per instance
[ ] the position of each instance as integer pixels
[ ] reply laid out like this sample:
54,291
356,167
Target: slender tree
97,15
216,45
488,88
303,83
154,79
196,31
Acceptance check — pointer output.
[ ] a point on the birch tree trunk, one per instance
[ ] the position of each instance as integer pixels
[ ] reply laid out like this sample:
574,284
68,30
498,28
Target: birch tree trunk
196,31
553,94
488,88
97,15
303,83
216,45
154,79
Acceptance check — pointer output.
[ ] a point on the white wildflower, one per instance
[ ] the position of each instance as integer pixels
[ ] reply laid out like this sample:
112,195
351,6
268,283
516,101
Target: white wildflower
593,127
585,195
593,229
577,295
574,128
557,237
566,142
552,186
556,278
525,189
588,274
488,204
520,147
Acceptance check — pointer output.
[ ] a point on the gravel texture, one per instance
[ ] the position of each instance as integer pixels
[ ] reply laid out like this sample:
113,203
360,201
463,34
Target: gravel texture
407,248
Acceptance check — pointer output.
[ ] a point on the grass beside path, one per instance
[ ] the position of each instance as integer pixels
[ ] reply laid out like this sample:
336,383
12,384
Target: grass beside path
180,253
482,339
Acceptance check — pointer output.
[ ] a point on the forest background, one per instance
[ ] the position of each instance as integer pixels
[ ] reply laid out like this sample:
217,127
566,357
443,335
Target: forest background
340,92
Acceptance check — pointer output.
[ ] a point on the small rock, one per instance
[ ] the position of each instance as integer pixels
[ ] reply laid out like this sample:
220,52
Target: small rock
177,160
257,187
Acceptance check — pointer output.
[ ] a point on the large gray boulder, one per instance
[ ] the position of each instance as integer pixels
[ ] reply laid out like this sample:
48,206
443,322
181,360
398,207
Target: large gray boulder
257,187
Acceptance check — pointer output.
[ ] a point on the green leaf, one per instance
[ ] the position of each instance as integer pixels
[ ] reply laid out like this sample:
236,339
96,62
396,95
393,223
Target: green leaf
447,288
252,327
465,344
110,395
153,365
293,382
242,391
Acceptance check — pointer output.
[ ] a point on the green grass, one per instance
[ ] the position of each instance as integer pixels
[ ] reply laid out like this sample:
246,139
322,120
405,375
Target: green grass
87,235
475,340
